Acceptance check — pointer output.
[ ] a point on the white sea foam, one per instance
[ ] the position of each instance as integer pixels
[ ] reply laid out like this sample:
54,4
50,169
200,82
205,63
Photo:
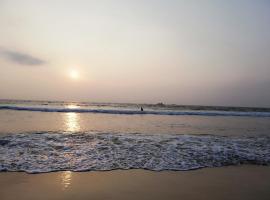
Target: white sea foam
46,152
135,112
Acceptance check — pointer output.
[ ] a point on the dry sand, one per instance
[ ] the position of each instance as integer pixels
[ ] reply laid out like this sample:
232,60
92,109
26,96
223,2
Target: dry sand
238,182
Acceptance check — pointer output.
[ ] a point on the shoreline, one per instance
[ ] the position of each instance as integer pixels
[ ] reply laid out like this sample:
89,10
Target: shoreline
231,182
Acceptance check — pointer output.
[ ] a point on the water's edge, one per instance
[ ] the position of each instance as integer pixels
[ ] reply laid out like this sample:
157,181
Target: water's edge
49,152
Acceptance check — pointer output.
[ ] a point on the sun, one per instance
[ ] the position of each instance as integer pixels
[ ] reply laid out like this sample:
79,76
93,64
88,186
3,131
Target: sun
74,74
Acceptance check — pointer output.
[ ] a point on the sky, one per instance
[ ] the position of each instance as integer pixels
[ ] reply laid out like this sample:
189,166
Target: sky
210,52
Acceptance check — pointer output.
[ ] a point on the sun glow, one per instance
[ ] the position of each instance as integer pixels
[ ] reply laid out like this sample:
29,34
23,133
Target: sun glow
74,74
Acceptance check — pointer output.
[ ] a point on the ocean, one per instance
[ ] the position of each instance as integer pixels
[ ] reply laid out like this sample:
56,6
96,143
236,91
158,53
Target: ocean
45,136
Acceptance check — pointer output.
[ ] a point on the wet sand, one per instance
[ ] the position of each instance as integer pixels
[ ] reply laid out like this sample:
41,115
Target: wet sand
235,182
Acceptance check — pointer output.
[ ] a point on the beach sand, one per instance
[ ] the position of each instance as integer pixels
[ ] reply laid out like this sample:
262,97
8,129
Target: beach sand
234,182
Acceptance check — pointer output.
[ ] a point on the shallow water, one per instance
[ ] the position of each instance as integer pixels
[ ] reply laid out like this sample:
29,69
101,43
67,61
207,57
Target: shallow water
37,141
26,121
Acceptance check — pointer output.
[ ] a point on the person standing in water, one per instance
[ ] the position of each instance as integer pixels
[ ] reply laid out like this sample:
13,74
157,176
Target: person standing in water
141,108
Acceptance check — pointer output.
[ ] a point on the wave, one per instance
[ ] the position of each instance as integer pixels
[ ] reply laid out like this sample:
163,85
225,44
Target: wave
46,152
136,112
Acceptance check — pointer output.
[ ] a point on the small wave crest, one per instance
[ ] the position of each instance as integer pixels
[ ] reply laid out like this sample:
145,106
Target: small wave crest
46,152
136,112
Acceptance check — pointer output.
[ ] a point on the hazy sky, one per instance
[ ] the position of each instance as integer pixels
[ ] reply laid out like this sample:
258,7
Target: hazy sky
186,52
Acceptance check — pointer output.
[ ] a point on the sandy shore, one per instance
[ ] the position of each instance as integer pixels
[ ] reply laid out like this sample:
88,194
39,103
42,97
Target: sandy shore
238,182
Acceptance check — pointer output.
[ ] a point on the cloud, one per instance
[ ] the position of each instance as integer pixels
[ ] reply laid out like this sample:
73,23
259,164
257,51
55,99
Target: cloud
21,58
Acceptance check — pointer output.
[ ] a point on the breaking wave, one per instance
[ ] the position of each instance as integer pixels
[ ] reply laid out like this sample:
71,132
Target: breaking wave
137,112
55,151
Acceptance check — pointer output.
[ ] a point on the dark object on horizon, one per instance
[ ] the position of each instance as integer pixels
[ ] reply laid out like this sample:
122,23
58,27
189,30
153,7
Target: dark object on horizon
141,108
160,104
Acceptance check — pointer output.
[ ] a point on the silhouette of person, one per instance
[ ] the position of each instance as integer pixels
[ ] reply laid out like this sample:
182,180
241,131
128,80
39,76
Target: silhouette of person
141,108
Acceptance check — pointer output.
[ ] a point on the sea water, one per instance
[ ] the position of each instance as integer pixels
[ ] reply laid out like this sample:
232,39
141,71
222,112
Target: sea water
42,136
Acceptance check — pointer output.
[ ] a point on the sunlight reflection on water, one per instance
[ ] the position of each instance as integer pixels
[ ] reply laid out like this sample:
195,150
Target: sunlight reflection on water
72,120
66,178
